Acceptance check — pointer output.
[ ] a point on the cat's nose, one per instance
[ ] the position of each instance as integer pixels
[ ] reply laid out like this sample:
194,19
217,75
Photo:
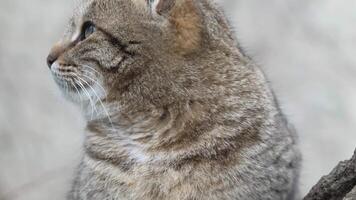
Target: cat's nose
51,58
55,53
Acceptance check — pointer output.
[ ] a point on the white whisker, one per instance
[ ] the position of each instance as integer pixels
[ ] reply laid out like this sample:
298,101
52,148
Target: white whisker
78,93
94,70
97,83
93,108
100,101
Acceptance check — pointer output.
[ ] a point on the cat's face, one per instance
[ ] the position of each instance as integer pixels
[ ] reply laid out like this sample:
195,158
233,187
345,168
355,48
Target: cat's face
103,44
127,50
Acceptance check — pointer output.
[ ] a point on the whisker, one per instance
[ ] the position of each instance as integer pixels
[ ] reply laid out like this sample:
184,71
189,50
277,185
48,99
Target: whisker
91,68
97,83
93,108
78,93
90,72
66,86
100,101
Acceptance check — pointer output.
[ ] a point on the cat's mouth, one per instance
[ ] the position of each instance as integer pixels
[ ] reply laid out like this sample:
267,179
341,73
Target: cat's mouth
78,85
66,78
67,83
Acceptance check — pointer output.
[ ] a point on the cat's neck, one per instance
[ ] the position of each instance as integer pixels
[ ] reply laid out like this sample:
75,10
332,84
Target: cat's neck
150,136
126,135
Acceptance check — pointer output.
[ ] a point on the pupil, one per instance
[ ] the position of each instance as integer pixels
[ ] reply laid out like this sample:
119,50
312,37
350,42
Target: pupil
89,31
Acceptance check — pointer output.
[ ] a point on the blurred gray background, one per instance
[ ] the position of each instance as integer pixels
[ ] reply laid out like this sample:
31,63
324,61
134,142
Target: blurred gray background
306,48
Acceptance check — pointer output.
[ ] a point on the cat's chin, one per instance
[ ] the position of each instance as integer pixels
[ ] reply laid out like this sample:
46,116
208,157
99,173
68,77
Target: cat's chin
89,101
80,95
85,105
72,96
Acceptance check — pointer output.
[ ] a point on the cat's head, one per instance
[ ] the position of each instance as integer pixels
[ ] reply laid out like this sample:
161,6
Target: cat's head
137,51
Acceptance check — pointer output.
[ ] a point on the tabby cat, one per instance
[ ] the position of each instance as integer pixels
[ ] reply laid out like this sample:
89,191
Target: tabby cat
175,110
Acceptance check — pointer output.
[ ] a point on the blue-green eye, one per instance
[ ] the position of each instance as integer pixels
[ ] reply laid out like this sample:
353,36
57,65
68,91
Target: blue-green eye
88,29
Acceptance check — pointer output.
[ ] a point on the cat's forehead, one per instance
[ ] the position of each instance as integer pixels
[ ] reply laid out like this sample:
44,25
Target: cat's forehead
86,6
104,11
82,7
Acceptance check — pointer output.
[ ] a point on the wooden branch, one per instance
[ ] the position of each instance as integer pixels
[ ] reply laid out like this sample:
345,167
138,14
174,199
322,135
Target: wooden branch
337,184
351,195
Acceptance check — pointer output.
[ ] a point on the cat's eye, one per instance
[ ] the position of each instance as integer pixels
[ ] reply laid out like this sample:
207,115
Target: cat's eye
87,30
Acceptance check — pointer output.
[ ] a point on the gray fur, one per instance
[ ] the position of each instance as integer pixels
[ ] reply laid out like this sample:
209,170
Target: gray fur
175,110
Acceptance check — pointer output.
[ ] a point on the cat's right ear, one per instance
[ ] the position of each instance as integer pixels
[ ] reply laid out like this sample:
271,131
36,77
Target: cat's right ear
161,7
185,19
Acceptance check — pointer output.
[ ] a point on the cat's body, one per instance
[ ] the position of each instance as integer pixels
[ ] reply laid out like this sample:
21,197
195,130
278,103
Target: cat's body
180,112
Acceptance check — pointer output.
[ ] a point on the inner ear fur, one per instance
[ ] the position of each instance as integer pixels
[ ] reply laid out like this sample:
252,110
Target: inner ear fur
186,21
165,6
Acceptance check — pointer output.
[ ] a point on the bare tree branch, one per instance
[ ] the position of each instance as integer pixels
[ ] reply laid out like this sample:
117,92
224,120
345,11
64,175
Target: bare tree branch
337,184
351,195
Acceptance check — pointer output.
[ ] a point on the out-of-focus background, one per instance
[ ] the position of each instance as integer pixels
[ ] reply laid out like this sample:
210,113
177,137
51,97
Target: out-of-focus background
306,48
